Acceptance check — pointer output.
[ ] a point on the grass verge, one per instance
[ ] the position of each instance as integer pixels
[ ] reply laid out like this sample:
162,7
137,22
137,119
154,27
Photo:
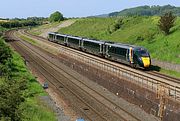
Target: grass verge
28,39
33,108
39,29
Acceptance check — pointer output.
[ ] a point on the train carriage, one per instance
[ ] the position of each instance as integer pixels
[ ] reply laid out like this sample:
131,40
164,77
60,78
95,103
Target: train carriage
51,36
134,56
74,42
93,46
61,38
119,52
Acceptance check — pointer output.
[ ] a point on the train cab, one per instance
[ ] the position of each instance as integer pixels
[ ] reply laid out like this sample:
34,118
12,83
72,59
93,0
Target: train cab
142,57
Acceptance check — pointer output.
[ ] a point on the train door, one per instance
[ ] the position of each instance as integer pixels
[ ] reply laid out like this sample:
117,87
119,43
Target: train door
131,55
104,49
127,55
65,40
107,47
82,45
100,48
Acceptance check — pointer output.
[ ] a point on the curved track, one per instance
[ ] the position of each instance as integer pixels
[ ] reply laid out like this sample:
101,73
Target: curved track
54,73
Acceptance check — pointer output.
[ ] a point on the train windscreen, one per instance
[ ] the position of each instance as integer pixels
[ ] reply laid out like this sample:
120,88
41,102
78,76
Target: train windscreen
143,52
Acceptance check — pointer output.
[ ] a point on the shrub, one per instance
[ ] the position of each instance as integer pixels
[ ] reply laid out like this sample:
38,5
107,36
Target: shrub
166,22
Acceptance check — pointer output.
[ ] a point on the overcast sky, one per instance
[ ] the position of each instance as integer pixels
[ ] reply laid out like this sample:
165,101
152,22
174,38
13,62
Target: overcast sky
71,8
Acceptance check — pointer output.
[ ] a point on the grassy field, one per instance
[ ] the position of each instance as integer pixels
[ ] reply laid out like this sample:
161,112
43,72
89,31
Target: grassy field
38,30
141,31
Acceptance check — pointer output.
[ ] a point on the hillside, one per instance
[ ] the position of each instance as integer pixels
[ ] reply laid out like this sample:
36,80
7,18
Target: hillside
141,31
147,11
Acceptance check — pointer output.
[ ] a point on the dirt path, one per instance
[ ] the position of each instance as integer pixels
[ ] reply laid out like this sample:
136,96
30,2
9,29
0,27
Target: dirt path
55,29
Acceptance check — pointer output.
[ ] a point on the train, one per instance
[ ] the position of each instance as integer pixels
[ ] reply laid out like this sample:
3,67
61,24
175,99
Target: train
135,56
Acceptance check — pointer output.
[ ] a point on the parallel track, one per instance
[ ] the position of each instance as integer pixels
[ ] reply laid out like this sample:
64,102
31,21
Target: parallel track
54,67
169,83
154,73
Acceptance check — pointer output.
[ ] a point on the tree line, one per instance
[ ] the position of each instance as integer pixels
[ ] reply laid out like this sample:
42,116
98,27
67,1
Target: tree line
155,10
19,23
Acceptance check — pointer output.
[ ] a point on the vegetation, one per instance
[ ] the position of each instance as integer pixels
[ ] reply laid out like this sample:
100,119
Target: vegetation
5,59
27,39
40,29
117,25
19,92
166,22
16,22
142,31
147,11
56,16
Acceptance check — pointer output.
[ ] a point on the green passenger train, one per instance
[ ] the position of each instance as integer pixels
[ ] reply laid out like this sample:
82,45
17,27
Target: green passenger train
132,55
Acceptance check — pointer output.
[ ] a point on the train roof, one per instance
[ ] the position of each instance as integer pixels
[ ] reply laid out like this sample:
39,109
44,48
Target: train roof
94,41
64,35
74,37
110,43
126,46
52,33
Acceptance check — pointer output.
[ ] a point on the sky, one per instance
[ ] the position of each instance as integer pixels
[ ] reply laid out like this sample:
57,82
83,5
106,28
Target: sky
71,8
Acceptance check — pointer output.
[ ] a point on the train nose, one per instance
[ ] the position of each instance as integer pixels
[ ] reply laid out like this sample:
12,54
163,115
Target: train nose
146,61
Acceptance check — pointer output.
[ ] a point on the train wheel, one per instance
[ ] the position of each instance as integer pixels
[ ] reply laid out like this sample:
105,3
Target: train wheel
133,65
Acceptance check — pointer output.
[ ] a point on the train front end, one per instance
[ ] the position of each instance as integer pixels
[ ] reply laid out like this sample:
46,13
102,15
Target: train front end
143,57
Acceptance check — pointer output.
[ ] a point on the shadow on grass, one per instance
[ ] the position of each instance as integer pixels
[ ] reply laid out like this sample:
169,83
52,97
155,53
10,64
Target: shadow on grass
33,80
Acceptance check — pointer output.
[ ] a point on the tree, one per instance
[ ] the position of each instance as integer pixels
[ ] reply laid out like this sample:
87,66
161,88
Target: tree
166,22
114,27
56,16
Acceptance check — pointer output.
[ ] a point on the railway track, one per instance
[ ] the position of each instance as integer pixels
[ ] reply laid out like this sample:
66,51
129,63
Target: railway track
148,79
155,73
164,76
43,64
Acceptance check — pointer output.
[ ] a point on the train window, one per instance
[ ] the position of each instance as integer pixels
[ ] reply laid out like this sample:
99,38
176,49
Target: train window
143,53
118,51
50,35
91,44
60,38
72,40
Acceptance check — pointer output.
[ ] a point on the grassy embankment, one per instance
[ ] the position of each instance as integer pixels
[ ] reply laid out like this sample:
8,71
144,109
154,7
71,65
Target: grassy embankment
39,30
142,31
33,108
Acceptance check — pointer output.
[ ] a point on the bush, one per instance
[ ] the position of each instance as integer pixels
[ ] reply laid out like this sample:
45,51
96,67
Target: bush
117,25
5,59
166,22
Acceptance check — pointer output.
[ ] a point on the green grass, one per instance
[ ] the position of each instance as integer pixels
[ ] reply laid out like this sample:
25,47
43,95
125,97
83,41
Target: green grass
39,30
171,73
28,39
142,31
2,29
33,108
37,110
